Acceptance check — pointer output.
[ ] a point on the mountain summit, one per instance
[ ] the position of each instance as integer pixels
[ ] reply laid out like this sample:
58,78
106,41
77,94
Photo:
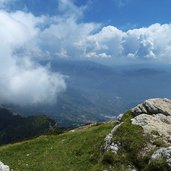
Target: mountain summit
142,137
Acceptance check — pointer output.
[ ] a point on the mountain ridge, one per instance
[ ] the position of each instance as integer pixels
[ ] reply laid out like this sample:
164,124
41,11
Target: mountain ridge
15,127
122,144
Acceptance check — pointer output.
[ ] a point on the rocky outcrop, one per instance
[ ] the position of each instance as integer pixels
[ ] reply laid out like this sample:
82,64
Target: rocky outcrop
4,167
141,131
164,153
158,123
153,106
154,116
109,145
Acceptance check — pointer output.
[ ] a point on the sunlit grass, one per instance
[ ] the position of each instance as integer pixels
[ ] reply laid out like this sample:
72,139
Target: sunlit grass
71,151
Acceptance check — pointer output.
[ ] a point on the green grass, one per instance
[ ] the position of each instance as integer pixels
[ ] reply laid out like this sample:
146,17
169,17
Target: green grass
132,140
71,151
130,136
81,150
159,164
127,116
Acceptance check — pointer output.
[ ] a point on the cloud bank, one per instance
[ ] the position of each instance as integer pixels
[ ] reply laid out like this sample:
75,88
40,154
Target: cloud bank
67,36
26,38
23,81
69,39
151,43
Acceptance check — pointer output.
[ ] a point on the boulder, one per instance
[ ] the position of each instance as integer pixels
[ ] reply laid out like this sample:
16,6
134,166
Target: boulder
4,167
164,153
153,106
159,123
154,115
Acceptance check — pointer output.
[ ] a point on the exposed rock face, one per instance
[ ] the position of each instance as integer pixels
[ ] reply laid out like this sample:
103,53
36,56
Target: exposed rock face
109,145
163,153
4,167
120,117
153,106
143,130
159,123
154,115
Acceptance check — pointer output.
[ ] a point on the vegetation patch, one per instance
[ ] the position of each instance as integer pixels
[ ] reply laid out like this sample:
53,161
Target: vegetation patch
159,143
80,149
108,158
159,164
73,150
130,136
132,140
155,132
127,116
132,144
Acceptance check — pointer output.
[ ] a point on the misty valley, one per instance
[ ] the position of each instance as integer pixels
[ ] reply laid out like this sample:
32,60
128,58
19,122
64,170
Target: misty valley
97,92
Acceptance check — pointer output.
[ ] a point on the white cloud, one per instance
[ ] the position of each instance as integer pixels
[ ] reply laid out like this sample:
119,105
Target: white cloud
69,10
18,28
106,42
66,36
63,36
152,42
149,43
69,38
97,55
25,36
22,81
28,83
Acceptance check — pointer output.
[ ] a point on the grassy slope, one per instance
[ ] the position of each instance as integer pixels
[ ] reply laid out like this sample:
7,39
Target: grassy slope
71,151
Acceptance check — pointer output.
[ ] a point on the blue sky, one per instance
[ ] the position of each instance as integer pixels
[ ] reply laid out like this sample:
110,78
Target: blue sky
131,13
124,14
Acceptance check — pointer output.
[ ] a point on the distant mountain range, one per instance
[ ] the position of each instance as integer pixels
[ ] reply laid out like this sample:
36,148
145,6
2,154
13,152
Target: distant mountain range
97,92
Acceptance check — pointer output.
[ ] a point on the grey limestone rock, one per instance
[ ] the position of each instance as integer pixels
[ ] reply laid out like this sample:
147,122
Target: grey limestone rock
154,115
4,167
153,106
109,145
164,153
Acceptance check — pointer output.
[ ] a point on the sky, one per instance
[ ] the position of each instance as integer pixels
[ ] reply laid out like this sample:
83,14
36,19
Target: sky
124,14
121,31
